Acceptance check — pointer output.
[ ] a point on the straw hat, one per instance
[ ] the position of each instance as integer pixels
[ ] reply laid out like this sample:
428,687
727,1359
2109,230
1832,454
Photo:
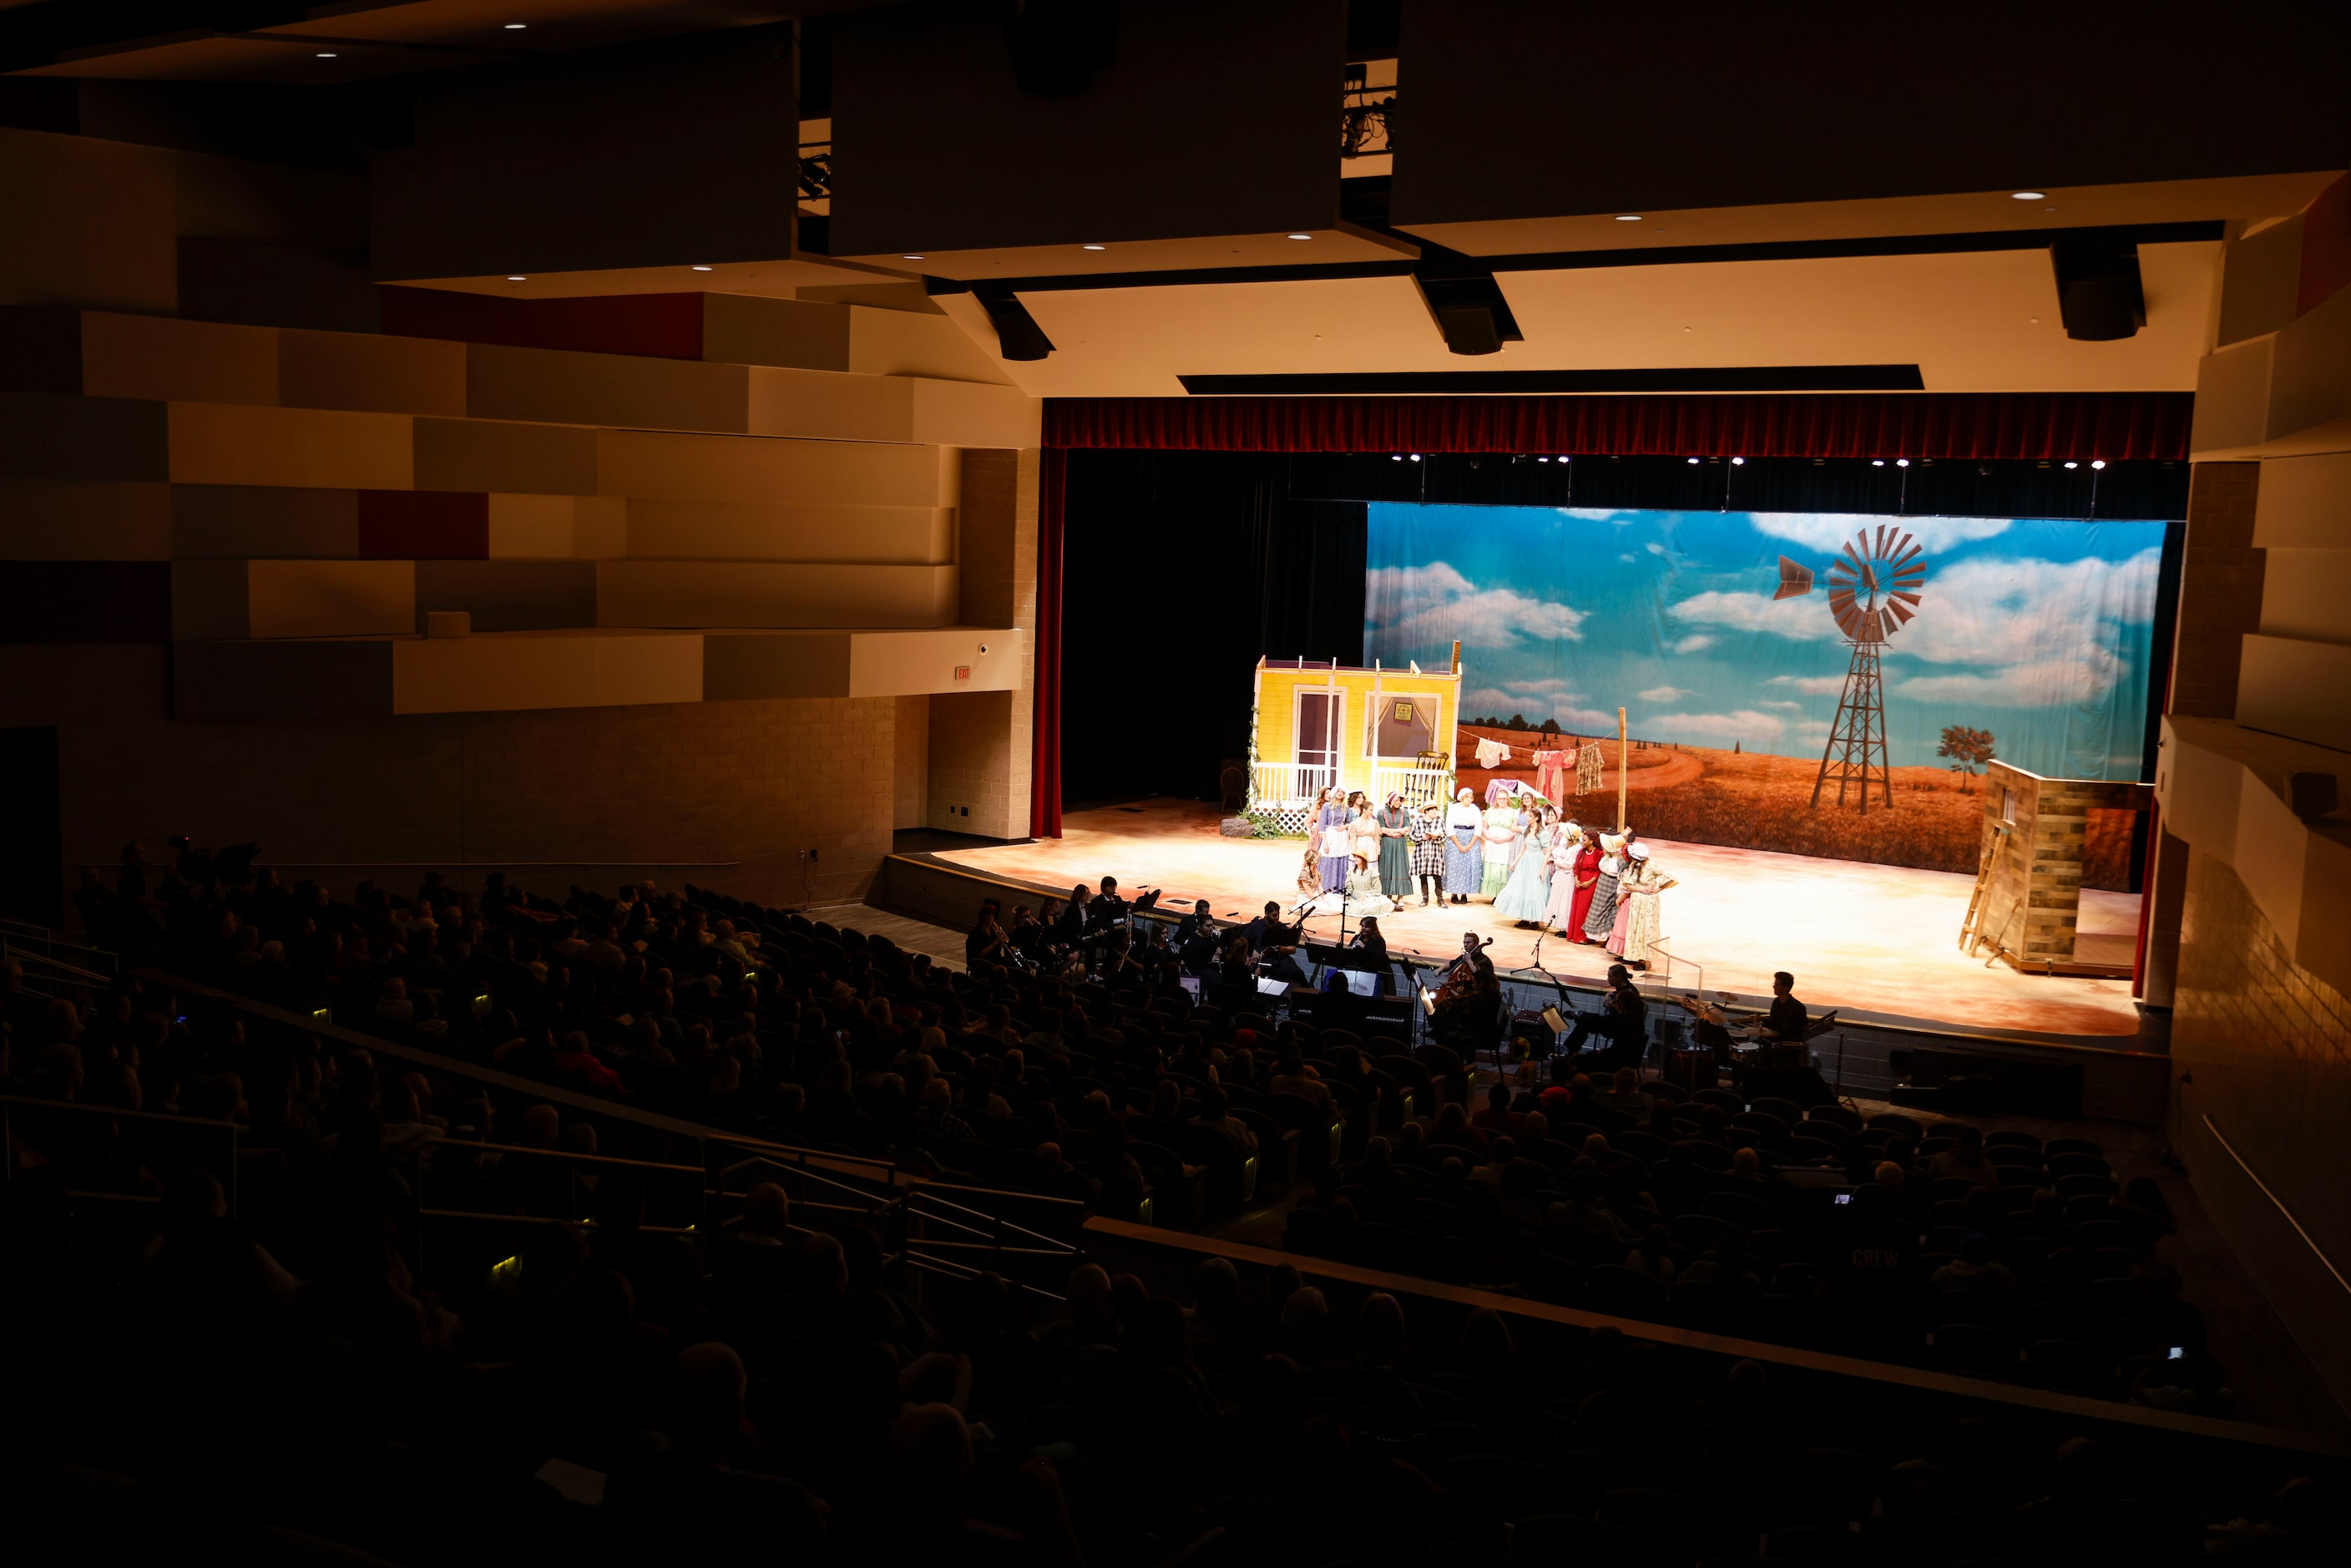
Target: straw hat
1640,852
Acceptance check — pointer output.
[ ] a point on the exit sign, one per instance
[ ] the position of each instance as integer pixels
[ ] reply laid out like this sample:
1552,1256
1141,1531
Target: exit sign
962,671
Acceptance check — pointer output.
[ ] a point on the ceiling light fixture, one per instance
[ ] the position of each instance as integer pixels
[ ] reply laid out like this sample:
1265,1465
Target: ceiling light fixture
2028,197
1416,457
1902,463
2097,463
1542,459
699,267
1877,462
2071,464
1738,462
516,26
1097,247
912,256
1628,217
1693,461
517,277
324,55
1301,236
1396,456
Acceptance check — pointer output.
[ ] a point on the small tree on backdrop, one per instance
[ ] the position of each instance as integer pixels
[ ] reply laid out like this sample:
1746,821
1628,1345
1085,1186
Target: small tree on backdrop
1968,748
1517,721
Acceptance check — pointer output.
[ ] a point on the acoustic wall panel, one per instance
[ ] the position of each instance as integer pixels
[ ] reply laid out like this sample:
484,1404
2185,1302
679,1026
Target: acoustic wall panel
660,465
524,670
757,593
492,455
64,519
264,520
585,528
709,530
230,444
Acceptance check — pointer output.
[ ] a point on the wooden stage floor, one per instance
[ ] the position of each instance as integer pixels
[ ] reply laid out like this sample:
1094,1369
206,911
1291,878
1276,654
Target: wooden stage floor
1880,942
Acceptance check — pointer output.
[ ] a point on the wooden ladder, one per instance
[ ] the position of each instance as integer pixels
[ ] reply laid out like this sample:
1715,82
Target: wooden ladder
1967,932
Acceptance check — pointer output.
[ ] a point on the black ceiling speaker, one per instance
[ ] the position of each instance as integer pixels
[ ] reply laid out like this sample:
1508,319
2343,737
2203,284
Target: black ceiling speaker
2098,293
1017,336
1058,45
1465,301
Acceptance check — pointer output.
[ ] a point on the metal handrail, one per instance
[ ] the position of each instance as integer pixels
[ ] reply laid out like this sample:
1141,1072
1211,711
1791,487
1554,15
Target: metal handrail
558,1154
10,1105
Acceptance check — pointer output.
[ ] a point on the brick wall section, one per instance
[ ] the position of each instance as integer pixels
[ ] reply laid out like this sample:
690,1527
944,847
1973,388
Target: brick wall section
979,741
2220,589
754,783
2269,1047
911,763
2034,897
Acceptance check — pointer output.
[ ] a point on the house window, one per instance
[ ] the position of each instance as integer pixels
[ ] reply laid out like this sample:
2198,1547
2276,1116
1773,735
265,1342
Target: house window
1405,726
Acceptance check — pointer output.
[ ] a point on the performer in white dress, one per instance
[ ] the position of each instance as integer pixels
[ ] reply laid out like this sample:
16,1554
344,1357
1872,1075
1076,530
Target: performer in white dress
1639,888
1566,843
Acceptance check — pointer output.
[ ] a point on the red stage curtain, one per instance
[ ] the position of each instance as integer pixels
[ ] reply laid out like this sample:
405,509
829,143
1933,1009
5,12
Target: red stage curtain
1045,737
2112,425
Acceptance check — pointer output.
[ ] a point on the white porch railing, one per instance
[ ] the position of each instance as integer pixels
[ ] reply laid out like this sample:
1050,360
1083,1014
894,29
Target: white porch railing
1285,790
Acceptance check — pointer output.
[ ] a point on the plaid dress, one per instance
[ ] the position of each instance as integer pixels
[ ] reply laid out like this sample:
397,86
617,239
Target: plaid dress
1427,846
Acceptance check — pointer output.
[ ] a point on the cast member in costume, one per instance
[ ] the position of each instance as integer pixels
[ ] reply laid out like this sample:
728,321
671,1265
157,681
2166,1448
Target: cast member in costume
1583,882
1331,818
1528,893
1506,826
1364,897
1615,943
1395,849
1600,916
1428,851
1566,845
1642,885
1363,828
1464,859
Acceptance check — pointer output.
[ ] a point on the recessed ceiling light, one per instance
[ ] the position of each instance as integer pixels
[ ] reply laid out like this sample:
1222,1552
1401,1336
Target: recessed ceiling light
1097,247
1877,462
1416,457
1693,461
2071,464
2028,197
324,55
912,256
1628,217
699,267
2097,463
1301,236
517,277
1902,463
516,26
1542,459
1736,461
1396,456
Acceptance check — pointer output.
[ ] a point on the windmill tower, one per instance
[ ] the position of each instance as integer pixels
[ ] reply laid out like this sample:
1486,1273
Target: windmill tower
1873,593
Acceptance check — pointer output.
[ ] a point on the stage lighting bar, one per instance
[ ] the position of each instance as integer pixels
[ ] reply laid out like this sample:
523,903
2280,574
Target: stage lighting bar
1465,301
1017,336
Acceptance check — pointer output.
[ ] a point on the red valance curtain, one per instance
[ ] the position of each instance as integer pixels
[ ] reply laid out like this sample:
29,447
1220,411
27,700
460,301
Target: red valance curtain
2051,425
1045,736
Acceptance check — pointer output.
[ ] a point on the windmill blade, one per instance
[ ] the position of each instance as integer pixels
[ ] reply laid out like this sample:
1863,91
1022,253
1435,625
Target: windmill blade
1854,558
1795,579
1879,548
1903,613
1902,544
1909,599
1902,562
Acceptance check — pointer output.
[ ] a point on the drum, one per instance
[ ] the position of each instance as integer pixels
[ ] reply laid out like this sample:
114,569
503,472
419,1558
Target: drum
1690,1067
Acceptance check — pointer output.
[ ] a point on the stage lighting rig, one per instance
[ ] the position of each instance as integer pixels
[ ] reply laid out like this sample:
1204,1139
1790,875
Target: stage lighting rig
1465,301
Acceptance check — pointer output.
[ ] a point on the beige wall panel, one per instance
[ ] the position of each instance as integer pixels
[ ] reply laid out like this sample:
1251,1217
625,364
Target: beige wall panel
69,247
2306,593
210,601
262,521
914,663
911,343
68,520
2305,503
2310,385
704,530
564,388
748,329
971,788
760,593
585,528
2258,277
509,595
745,665
762,470
910,775
816,404
227,444
543,670
330,598
964,413
489,454
168,361
2232,398
2295,689
384,373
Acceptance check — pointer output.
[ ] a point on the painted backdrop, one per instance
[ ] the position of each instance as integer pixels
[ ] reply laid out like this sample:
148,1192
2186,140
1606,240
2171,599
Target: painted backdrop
2035,632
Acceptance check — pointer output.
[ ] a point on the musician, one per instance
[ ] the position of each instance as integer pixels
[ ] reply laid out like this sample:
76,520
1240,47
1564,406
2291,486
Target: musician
1195,937
1787,1019
1239,967
1469,1001
1275,944
1109,907
1622,1020
1370,949
986,940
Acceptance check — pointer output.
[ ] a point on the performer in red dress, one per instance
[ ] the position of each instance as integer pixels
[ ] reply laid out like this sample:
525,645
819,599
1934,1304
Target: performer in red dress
1587,878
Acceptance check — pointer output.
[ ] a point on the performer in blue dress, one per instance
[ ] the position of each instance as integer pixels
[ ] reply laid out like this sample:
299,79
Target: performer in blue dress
1333,846
1464,861
1527,894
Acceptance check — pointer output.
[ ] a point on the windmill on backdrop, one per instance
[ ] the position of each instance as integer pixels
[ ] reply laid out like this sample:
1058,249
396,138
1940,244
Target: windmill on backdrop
1873,593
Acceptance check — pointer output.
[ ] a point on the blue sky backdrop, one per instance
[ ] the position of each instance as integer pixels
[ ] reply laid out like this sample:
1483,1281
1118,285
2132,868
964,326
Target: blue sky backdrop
2039,631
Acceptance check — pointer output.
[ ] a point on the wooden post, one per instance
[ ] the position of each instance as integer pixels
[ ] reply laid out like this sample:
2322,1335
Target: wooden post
1620,769
1456,655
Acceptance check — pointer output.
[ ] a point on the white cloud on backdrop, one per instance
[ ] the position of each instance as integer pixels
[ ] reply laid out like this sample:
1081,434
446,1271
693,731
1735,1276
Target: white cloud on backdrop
1434,603
1783,705
1830,531
1811,686
1664,693
1653,547
1696,643
1804,618
1744,724
1537,700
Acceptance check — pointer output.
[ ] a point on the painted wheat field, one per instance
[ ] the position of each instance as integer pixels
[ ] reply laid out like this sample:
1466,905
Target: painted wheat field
1756,802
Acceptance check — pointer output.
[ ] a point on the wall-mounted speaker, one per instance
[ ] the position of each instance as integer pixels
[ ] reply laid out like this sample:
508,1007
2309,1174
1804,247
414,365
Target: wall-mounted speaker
2098,293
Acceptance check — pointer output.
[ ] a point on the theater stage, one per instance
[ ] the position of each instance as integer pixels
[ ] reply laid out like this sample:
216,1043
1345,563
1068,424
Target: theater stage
1880,942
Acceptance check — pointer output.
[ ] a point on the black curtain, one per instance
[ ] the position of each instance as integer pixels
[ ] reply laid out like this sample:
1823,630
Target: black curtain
1181,569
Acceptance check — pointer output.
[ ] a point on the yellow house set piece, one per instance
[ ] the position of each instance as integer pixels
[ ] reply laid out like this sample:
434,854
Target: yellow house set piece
1379,730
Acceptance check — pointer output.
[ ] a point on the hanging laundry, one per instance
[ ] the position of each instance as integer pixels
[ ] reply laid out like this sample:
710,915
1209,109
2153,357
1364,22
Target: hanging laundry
1550,776
1590,763
1492,754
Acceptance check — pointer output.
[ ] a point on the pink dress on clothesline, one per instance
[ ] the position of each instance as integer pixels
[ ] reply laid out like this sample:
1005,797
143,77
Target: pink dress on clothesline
1550,776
